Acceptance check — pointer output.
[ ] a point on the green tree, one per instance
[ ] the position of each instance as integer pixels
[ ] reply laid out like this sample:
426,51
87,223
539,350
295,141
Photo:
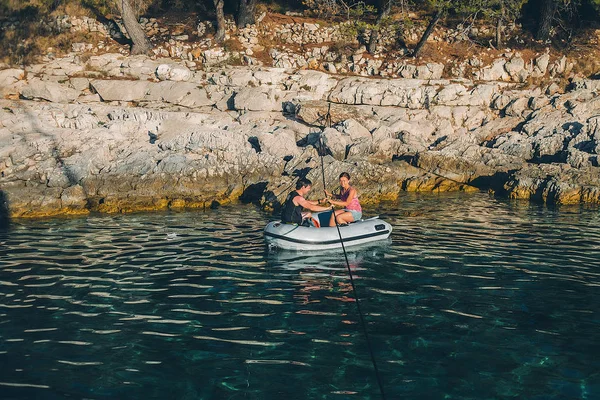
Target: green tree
499,12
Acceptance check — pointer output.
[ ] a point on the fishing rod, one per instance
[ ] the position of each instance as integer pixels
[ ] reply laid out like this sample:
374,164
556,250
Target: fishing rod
362,319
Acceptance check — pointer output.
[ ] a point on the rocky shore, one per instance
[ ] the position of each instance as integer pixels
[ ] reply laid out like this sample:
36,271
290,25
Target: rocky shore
115,133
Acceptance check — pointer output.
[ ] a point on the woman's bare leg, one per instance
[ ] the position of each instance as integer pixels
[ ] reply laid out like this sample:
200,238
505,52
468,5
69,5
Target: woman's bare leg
343,217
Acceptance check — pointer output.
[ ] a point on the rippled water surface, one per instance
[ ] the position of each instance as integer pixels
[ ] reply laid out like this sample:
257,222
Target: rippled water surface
473,298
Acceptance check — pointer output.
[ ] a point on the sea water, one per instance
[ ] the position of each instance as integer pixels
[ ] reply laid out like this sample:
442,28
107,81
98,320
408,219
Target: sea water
471,298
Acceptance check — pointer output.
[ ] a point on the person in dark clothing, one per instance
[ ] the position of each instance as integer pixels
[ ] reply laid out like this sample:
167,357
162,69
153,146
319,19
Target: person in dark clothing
294,205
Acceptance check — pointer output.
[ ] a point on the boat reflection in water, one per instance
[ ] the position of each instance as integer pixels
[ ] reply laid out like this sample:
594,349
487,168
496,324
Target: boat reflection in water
324,274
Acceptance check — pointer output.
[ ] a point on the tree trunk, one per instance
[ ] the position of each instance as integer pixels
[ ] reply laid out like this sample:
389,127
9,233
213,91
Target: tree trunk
499,25
546,16
384,11
220,35
434,20
499,33
246,13
141,44
372,46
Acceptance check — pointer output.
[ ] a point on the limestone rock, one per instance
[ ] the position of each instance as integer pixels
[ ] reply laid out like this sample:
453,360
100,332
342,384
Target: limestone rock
555,184
173,72
49,91
354,130
321,113
258,99
8,80
540,65
336,142
74,199
112,90
495,72
280,143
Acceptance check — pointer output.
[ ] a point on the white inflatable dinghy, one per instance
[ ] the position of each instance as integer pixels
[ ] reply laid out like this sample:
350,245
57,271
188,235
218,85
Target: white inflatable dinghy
296,237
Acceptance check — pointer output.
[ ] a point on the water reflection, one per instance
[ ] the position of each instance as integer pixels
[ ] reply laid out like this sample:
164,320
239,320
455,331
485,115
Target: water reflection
472,298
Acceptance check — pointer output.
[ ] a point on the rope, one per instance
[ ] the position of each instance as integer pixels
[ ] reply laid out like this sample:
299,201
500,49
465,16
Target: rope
362,319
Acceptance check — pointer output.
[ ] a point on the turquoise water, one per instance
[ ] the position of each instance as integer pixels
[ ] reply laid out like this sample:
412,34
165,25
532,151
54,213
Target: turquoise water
473,298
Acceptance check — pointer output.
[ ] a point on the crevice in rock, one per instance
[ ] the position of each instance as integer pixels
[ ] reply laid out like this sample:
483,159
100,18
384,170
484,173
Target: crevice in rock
253,140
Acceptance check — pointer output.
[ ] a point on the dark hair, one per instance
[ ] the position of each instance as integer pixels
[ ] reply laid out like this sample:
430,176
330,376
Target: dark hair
302,182
345,174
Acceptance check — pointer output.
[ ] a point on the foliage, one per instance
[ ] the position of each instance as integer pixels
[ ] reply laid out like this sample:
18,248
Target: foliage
491,10
26,7
351,30
351,10
25,32
32,35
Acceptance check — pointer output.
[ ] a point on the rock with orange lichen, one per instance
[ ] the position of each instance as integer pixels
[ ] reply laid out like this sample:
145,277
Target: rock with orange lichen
249,134
555,184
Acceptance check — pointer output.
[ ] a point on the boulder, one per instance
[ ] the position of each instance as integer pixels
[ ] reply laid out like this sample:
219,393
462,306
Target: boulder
315,81
515,67
8,80
173,72
336,142
118,90
321,113
36,89
258,99
181,93
280,143
354,130
10,76
518,107
270,76
495,72
540,66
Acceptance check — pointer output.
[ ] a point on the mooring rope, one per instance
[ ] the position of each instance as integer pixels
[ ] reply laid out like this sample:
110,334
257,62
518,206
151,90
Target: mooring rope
362,319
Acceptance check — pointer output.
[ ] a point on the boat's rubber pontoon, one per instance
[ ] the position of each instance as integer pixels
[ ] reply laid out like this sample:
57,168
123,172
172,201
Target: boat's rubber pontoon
296,237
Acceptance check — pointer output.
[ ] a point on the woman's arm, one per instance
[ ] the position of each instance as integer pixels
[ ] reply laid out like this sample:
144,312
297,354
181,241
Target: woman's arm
340,203
333,195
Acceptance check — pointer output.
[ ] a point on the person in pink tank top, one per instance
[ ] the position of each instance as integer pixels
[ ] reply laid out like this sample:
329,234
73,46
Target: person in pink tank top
347,198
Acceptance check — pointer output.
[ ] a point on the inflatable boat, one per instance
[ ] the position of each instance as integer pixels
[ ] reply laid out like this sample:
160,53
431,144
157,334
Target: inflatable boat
297,237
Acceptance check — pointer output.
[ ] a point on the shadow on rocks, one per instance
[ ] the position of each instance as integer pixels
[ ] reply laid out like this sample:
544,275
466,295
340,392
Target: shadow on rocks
253,193
4,214
258,195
